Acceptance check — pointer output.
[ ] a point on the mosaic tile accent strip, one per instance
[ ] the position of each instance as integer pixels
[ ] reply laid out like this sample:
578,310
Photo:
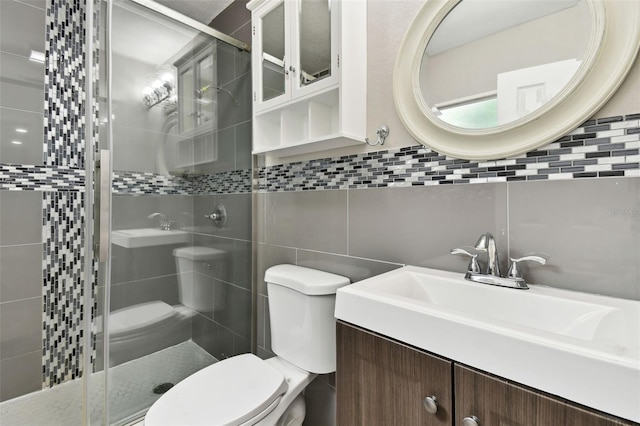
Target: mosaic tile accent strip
40,178
152,183
149,183
607,147
63,288
64,82
233,182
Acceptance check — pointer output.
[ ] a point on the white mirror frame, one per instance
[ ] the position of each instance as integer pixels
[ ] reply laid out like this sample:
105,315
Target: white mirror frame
612,49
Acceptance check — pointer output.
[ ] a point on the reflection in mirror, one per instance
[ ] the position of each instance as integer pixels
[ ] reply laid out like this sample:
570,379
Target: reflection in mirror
490,63
273,65
315,40
22,44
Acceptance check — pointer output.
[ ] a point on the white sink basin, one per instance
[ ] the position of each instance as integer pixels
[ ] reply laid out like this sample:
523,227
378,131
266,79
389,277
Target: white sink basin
145,237
579,346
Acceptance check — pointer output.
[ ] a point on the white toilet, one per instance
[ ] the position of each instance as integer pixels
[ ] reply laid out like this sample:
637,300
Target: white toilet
245,390
145,328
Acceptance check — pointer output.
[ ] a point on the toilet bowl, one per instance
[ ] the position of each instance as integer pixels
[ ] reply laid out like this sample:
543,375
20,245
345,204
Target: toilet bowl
246,390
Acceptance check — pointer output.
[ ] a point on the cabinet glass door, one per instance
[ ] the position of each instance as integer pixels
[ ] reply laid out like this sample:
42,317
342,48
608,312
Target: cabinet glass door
314,44
185,96
206,89
274,73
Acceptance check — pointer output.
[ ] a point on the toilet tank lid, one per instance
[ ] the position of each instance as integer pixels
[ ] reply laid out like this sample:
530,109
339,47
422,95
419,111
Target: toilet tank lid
305,280
198,253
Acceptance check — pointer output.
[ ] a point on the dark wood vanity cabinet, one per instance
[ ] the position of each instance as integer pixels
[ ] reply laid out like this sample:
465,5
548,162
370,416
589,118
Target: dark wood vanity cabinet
495,401
381,382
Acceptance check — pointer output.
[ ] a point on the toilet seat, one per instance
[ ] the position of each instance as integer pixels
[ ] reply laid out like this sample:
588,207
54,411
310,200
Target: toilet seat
229,392
137,317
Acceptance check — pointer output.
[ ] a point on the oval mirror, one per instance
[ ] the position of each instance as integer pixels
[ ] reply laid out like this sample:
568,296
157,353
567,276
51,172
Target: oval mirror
484,79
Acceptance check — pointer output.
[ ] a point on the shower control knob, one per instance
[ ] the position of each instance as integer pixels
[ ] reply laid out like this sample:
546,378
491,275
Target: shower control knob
471,421
431,404
218,216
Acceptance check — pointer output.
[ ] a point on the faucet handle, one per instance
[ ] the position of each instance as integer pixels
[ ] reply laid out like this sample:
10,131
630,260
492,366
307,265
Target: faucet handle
473,254
514,268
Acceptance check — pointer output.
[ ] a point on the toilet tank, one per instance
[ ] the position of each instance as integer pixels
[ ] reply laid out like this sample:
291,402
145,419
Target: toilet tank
198,268
301,310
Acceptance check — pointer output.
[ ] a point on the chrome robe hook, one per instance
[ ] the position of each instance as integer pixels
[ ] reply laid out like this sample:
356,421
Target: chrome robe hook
382,133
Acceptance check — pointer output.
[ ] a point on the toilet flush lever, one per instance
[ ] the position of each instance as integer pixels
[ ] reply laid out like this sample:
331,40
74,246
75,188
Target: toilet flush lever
218,216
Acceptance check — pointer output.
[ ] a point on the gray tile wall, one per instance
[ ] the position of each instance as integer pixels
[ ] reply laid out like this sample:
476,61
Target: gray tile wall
20,293
22,27
589,228
229,319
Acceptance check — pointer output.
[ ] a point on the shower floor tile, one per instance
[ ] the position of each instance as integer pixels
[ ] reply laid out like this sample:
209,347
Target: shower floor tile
131,394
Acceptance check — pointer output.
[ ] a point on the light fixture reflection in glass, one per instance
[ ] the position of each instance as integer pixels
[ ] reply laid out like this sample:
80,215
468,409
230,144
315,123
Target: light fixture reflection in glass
160,89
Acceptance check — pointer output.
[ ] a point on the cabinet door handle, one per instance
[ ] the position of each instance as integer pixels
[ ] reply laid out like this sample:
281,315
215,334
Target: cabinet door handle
471,421
431,404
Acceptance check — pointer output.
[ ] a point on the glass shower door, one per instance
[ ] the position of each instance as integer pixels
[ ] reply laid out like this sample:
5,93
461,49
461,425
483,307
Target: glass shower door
177,287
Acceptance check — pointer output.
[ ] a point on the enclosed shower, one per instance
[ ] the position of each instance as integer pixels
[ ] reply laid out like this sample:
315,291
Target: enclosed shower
125,205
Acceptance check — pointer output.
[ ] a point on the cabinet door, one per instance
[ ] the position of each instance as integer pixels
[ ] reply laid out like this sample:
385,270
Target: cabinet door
314,45
498,403
380,382
206,89
197,84
186,97
271,55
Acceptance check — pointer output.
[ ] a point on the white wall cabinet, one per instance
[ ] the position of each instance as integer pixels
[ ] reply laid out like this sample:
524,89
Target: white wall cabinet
309,75
197,108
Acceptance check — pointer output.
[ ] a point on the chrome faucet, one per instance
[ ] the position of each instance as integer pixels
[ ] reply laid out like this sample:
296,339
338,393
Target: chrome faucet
165,224
486,243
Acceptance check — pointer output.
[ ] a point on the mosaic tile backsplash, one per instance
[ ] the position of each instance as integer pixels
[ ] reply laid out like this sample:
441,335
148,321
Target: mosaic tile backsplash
606,147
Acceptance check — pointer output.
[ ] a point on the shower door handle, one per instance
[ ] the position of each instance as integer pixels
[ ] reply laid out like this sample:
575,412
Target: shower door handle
103,165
